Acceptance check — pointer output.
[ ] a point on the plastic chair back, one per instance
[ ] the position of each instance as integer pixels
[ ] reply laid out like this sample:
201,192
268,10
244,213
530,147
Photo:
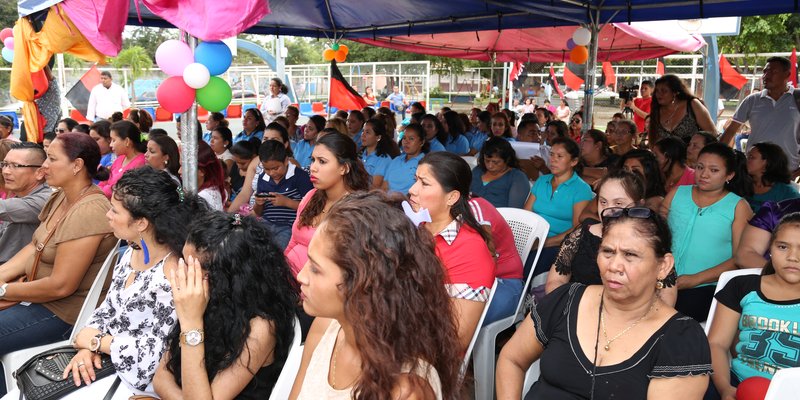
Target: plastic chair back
785,384
721,282
163,115
471,160
283,386
527,228
234,111
467,355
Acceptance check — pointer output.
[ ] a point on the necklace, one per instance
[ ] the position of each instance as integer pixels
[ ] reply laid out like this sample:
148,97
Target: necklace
674,110
333,366
624,331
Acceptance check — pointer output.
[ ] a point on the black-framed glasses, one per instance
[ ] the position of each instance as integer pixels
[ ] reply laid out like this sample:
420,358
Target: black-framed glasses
15,166
633,212
60,130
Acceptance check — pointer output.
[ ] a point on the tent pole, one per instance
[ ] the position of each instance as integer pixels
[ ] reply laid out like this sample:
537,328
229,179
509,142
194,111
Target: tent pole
189,139
588,94
505,83
511,86
711,77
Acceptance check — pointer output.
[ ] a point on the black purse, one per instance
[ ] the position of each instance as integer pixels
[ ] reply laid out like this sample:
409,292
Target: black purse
40,378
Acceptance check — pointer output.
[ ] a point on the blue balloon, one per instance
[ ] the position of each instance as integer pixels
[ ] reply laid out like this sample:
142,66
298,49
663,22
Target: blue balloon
8,54
216,56
570,44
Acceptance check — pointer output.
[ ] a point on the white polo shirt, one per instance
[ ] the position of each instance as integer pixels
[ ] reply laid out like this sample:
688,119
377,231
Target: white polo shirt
773,121
104,102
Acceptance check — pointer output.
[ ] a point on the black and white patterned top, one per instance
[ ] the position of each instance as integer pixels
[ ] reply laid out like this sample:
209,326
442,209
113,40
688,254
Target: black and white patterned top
139,318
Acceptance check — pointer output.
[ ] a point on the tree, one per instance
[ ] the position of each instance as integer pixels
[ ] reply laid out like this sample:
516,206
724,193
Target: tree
137,59
762,34
149,39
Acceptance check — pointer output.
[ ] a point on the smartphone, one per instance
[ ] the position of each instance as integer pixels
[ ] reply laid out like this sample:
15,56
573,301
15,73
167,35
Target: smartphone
264,195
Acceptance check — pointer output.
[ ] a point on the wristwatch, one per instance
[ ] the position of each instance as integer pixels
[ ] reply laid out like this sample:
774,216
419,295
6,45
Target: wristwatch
3,290
94,343
193,337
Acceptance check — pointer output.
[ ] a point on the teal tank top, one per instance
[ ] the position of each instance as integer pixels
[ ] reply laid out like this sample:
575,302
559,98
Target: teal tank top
701,237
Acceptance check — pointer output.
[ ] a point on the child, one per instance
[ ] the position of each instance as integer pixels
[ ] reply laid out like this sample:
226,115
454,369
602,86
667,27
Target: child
763,312
48,138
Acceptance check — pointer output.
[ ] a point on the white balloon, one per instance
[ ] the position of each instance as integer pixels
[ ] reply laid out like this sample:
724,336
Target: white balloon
582,36
196,75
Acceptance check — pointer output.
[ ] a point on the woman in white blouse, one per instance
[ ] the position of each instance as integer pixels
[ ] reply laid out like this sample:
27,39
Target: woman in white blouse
152,214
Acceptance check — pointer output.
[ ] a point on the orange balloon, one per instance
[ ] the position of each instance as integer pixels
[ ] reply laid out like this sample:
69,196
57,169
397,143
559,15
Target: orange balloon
579,54
343,48
328,54
340,56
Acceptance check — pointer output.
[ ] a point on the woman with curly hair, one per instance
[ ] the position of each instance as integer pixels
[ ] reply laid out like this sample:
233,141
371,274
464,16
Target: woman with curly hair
234,297
335,172
407,348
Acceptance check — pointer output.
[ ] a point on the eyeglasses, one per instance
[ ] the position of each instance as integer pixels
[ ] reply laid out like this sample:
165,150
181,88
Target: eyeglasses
575,121
633,212
59,130
15,166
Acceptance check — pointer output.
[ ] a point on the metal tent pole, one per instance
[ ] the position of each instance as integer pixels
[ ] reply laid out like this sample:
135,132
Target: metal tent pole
189,140
590,77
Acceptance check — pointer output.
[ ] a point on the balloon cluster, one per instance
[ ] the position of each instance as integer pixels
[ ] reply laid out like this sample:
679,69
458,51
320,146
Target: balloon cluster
578,53
7,37
336,52
193,76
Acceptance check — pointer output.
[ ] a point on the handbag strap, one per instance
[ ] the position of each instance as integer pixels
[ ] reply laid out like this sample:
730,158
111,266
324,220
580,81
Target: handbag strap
113,389
40,246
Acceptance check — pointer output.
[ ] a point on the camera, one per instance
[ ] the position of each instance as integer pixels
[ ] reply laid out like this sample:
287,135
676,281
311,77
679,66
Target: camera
628,93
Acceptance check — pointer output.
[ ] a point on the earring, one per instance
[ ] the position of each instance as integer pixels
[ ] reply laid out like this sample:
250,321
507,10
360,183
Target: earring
144,249
74,173
659,284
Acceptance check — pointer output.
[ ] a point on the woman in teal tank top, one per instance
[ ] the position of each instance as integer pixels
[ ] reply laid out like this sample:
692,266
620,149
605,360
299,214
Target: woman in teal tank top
707,220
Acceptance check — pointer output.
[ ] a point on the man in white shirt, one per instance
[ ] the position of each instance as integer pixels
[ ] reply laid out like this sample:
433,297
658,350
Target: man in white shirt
106,99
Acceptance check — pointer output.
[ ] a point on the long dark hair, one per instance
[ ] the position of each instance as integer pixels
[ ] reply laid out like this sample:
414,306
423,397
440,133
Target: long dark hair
455,127
356,178
681,92
735,161
788,219
653,180
441,135
674,150
777,168
170,149
261,125
453,173
248,278
153,195
386,146
411,320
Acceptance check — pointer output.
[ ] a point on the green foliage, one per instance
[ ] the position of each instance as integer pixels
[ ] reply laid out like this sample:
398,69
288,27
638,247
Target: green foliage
8,13
303,51
136,58
149,39
763,34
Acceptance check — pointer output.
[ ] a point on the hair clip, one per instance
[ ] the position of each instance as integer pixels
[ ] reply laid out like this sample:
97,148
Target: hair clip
180,193
143,137
237,220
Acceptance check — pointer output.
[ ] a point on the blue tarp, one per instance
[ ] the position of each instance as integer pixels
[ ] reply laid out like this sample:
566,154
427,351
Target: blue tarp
359,18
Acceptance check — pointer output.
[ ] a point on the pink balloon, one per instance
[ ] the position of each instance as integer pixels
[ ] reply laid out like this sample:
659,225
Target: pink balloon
173,56
174,95
9,42
6,33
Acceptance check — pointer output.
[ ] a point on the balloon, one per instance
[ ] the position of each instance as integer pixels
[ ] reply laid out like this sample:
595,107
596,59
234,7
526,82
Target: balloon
40,84
570,44
6,33
335,46
579,54
196,75
174,95
173,56
754,388
343,48
216,56
9,42
340,56
328,54
582,36
8,54
215,96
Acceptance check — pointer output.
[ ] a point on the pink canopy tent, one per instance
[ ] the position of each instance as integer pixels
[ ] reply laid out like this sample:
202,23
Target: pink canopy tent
617,42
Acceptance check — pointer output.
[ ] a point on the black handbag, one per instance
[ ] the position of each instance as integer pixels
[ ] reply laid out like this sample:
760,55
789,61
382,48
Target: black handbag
40,378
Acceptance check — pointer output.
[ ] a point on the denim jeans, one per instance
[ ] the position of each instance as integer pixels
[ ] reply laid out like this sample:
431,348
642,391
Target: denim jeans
505,300
280,234
22,327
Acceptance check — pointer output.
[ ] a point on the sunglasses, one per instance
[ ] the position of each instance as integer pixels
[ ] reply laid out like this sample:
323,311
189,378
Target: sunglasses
633,212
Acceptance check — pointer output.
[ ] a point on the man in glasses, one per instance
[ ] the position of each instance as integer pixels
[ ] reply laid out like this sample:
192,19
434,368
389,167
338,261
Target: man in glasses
106,99
26,195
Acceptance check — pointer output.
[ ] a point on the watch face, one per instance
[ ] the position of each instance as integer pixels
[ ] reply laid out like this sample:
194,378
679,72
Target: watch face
193,338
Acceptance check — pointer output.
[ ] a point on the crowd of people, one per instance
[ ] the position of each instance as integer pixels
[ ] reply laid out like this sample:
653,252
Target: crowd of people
357,215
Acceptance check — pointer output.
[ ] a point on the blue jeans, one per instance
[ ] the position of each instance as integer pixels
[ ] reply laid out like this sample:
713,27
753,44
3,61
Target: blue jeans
505,300
22,327
280,234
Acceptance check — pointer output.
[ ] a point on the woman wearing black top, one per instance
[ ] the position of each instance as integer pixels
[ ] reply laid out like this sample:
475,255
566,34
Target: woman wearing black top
615,340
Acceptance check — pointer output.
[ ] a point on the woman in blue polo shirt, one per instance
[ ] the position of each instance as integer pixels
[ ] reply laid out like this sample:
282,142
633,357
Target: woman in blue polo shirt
304,148
400,172
252,126
559,198
435,135
457,142
377,150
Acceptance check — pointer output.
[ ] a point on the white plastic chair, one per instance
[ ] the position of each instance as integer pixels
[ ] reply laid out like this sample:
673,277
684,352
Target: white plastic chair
488,304
283,386
721,282
531,376
527,228
14,360
471,160
785,384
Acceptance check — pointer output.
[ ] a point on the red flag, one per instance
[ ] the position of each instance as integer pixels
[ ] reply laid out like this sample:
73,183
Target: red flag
573,81
608,73
555,82
660,67
342,95
515,71
730,74
78,95
793,60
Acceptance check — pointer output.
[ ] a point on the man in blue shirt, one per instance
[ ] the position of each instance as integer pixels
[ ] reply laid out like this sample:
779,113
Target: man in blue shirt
279,190
398,100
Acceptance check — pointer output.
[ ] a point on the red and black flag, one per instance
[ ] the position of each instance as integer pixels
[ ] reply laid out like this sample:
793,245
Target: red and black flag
660,70
78,95
731,81
609,77
554,79
572,75
342,95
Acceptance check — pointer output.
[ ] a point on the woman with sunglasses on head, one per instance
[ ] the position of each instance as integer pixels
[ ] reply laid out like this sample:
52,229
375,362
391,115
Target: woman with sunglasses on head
707,220
614,340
